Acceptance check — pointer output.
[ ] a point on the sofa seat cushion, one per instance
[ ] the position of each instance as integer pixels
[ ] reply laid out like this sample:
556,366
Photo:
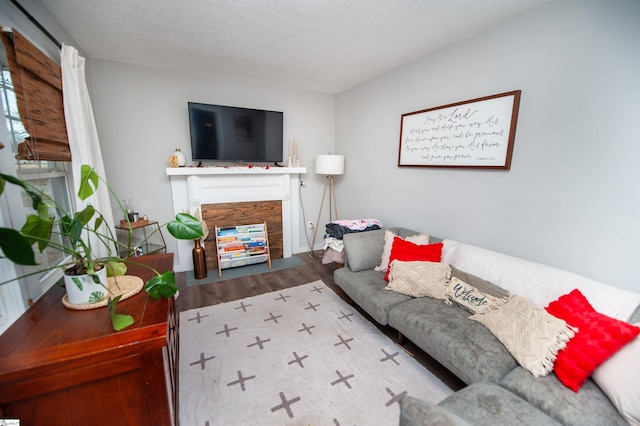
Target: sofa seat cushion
488,404
367,290
464,347
590,406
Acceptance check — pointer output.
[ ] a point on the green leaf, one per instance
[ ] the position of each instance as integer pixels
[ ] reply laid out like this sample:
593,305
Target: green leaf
34,193
16,247
118,321
88,182
185,227
86,214
121,321
162,286
12,179
74,231
43,210
38,229
66,224
99,221
116,269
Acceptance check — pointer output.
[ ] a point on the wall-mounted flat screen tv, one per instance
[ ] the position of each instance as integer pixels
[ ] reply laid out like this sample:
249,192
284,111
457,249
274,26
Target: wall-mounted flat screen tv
230,134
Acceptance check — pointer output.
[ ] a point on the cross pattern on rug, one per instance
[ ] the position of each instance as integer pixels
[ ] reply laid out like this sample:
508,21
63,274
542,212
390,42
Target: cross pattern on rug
294,356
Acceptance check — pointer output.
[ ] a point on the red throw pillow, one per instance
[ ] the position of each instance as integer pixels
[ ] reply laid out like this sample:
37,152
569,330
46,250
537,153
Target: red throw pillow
598,337
408,251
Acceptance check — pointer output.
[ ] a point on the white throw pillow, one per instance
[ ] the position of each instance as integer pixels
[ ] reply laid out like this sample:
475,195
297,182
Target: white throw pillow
619,379
420,239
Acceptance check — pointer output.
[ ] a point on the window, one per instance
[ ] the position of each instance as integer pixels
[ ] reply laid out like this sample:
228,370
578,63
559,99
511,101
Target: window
50,176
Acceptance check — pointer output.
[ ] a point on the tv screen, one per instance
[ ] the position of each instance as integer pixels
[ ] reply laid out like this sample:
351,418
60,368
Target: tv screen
231,134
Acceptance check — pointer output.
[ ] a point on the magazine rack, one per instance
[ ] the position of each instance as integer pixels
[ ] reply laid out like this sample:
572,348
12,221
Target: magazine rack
242,245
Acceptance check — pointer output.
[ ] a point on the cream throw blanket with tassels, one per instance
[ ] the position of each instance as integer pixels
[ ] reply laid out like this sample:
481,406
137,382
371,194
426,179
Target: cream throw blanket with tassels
530,333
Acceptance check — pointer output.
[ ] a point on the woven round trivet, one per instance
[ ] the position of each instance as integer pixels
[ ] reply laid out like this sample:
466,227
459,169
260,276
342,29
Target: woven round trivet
125,285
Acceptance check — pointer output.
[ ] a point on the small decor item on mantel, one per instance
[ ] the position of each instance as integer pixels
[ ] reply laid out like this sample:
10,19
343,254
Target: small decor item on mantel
173,162
292,159
182,160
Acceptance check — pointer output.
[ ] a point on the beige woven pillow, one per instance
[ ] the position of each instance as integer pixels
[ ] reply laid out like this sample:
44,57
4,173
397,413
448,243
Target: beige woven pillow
531,334
419,278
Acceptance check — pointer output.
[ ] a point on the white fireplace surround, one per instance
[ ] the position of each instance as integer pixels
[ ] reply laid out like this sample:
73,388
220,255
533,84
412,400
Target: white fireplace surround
191,187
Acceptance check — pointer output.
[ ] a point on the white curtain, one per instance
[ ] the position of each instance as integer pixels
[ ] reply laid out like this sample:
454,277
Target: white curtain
83,135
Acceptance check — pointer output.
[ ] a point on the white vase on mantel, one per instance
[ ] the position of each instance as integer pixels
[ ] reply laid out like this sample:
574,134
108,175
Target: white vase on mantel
182,160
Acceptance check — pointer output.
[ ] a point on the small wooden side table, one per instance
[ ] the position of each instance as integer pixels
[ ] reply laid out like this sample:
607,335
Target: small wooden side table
146,238
66,367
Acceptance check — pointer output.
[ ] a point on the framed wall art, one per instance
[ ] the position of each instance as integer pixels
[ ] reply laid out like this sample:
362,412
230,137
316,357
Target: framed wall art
478,133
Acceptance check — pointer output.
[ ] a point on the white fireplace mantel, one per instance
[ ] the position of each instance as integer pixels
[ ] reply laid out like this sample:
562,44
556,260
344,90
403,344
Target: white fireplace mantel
192,187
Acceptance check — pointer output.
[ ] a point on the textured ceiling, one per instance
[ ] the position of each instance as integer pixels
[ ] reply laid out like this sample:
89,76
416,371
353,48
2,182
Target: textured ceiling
324,46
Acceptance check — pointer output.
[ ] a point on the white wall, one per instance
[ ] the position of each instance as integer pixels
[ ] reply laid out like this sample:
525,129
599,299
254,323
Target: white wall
141,115
11,16
572,196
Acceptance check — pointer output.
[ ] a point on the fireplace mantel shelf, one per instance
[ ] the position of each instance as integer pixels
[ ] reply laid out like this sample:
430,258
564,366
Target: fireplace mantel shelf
233,170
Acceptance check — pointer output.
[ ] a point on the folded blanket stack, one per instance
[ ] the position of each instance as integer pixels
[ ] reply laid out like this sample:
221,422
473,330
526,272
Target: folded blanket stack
335,230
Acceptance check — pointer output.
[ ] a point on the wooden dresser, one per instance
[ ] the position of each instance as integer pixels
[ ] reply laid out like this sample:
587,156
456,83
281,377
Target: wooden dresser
65,367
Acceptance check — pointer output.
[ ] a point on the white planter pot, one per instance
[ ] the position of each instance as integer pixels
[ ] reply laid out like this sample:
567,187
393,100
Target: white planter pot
82,290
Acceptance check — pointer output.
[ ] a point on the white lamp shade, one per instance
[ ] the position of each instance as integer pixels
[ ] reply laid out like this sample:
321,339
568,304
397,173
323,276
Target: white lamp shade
330,164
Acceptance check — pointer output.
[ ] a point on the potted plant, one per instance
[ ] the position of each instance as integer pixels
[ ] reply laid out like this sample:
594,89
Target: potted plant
85,273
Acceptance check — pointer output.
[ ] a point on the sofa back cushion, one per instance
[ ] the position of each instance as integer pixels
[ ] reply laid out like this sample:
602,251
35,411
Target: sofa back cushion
539,283
363,250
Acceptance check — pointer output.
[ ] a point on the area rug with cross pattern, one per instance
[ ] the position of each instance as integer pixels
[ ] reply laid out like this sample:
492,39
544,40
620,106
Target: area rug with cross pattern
298,356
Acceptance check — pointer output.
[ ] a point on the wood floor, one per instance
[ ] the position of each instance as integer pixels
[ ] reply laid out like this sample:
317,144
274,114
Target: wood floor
238,288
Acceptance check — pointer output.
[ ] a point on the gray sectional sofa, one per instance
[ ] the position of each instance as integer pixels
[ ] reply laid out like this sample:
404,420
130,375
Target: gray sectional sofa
499,391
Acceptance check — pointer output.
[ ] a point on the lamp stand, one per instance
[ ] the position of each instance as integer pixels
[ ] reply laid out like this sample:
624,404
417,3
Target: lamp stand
328,184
